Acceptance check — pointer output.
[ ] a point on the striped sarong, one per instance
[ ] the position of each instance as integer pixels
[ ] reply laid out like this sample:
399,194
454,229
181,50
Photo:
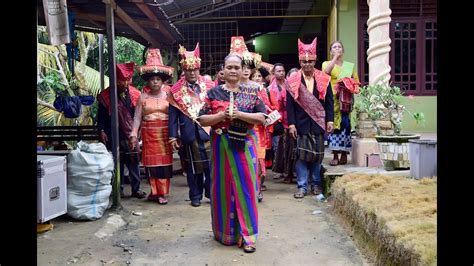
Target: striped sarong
310,147
196,155
234,190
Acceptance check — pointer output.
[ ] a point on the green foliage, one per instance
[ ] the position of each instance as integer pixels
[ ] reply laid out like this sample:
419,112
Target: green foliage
42,35
57,79
126,50
381,101
52,80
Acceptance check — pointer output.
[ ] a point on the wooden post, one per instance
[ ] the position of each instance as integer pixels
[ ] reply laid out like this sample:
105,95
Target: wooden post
109,13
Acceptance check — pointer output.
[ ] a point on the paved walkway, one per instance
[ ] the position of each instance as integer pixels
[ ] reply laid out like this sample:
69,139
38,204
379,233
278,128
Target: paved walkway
291,232
179,234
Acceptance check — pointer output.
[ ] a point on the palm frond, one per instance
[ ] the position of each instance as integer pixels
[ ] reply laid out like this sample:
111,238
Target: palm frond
92,78
46,57
91,38
45,115
86,81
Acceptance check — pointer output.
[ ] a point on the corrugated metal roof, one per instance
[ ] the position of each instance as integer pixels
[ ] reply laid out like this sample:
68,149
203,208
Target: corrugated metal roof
90,16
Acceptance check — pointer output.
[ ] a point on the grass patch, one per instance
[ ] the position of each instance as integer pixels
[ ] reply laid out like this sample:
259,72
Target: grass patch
393,217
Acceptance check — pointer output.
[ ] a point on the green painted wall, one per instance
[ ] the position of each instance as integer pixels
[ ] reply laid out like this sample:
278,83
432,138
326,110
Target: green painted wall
425,104
347,33
276,44
347,29
284,43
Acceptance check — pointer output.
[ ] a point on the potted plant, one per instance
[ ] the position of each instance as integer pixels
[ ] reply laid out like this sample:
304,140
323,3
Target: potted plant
369,123
381,104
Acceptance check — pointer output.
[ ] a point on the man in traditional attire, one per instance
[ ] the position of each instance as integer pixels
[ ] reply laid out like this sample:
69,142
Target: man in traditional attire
186,99
127,97
310,113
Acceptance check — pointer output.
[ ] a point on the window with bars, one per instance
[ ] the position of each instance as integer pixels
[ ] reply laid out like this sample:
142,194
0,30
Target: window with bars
413,49
214,42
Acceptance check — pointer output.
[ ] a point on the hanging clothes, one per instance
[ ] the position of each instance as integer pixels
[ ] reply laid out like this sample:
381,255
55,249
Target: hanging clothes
71,106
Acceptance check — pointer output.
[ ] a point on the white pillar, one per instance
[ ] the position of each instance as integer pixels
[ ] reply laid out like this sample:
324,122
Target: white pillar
378,28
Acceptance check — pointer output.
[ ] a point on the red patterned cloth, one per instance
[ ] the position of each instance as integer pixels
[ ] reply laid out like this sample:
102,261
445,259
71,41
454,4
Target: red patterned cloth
180,91
104,97
125,71
124,116
307,51
159,187
190,60
307,100
322,81
278,100
351,84
154,66
246,100
156,153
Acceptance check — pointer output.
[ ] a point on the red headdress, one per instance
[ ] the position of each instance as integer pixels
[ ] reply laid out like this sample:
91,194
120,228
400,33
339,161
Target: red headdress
125,71
154,66
190,60
238,47
307,52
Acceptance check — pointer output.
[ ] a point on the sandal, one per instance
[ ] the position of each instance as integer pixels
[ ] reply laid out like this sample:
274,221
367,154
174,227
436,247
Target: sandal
300,194
162,200
260,196
316,190
249,248
152,197
334,162
278,176
263,187
139,194
343,160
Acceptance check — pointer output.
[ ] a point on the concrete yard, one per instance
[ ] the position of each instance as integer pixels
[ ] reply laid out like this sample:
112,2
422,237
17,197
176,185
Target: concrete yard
179,234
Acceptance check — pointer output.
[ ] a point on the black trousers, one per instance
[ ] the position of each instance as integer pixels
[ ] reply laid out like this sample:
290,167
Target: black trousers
197,169
131,160
198,183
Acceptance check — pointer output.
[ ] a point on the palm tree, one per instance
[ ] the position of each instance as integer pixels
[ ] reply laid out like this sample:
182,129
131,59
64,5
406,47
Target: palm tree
55,78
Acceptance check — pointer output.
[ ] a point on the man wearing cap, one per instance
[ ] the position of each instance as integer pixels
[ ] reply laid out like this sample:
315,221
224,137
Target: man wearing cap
127,97
310,112
186,99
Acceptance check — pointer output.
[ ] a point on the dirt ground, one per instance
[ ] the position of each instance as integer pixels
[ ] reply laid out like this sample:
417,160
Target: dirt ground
179,234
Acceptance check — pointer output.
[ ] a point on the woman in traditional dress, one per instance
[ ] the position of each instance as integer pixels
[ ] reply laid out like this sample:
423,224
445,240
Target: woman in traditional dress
263,132
232,111
151,116
250,61
340,139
